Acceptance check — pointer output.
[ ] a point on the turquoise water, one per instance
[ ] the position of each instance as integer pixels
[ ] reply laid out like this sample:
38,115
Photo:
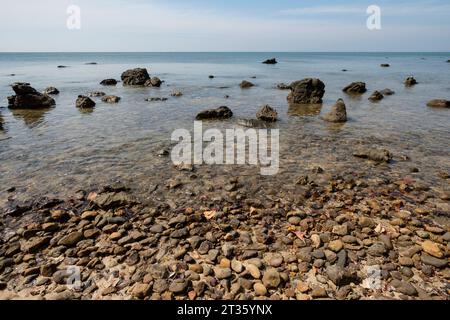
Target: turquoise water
62,149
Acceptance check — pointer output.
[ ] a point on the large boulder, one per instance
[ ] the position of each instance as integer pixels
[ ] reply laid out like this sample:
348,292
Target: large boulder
338,113
271,61
355,88
267,113
135,77
439,103
306,91
84,102
28,98
108,82
410,81
219,113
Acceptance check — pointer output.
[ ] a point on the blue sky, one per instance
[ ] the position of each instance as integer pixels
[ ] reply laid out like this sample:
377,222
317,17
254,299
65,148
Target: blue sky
232,25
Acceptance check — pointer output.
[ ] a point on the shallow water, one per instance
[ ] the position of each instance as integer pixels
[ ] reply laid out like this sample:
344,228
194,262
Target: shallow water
58,151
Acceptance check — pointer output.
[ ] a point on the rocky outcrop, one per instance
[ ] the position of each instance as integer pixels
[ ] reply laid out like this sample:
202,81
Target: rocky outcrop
135,77
387,92
84,102
108,82
267,113
219,113
306,91
50,91
271,61
439,103
410,81
355,88
96,94
28,98
153,82
246,84
377,155
338,113
111,99
376,96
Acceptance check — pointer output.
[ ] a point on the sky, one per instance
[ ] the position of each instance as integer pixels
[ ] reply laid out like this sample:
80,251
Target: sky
224,25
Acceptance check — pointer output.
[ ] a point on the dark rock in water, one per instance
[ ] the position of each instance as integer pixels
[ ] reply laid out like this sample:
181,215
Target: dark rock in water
338,113
176,94
306,91
111,99
253,123
61,67
246,84
385,65
378,155
91,63
84,102
135,77
219,113
51,90
153,82
109,82
410,81
28,98
387,92
439,103
211,77
154,99
344,70
271,61
96,94
355,88
283,86
376,96
267,113
448,61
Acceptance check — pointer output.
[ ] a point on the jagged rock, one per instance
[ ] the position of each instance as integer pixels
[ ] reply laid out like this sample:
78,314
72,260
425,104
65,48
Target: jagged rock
219,113
271,61
387,92
267,113
84,102
439,103
96,94
355,88
410,81
111,99
153,82
135,77
246,84
51,90
338,113
108,82
378,155
306,91
28,98
376,96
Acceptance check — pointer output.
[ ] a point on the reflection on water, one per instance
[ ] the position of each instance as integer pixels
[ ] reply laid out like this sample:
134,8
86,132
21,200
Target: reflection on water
32,117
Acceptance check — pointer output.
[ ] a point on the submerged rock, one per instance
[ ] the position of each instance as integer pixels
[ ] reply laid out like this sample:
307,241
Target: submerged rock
338,112
410,81
283,86
135,77
96,94
271,61
306,91
439,103
154,99
108,82
111,99
355,88
267,113
51,90
246,84
376,96
387,92
378,155
253,123
28,98
176,94
84,102
219,113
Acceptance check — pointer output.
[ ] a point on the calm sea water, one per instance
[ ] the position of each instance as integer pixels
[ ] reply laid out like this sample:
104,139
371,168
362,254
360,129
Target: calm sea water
51,152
